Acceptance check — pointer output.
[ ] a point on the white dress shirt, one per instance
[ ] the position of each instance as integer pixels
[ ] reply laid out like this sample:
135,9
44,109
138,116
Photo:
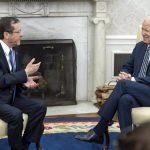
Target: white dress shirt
6,51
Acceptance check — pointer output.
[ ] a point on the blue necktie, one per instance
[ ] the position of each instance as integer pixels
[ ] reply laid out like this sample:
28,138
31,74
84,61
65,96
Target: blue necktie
145,63
13,65
12,60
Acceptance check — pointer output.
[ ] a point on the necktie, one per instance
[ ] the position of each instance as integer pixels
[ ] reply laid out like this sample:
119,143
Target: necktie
145,63
12,60
13,65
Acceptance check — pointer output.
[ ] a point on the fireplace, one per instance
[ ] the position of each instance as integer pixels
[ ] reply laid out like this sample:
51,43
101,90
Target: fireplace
58,69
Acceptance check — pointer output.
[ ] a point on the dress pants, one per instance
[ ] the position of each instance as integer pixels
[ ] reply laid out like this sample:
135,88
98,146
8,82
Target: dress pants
12,114
125,96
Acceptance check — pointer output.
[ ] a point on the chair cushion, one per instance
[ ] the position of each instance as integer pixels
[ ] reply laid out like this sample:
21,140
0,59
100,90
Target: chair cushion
3,126
140,115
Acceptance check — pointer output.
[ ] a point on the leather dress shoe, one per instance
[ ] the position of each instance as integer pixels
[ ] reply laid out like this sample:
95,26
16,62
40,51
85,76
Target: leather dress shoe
90,136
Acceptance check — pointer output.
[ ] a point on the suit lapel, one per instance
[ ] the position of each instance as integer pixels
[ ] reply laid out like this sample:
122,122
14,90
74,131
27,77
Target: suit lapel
3,59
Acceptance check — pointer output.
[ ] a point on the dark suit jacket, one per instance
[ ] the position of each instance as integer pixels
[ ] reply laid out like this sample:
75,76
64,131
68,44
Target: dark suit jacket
9,79
133,65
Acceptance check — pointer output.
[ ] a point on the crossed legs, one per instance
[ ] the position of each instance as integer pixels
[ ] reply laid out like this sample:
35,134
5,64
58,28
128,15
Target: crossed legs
126,95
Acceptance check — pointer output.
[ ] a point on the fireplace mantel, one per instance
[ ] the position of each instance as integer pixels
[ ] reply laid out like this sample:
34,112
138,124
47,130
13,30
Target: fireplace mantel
36,8
89,16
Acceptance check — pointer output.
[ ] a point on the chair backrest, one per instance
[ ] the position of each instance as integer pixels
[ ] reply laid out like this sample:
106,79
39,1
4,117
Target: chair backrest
139,35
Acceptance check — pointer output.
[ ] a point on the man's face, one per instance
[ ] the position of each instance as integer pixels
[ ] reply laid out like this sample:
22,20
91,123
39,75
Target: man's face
16,35
146,31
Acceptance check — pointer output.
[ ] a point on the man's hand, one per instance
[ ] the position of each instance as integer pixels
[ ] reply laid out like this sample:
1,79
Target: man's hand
31,84
124,75
32,68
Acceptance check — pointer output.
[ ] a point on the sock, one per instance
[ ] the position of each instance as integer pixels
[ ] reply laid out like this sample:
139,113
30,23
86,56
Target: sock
100,128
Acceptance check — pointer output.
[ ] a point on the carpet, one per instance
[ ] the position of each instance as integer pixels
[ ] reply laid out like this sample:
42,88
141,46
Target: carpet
59,134
74,124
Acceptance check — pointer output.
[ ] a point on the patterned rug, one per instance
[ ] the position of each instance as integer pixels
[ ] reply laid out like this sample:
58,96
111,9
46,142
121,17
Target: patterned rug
59,134
74,124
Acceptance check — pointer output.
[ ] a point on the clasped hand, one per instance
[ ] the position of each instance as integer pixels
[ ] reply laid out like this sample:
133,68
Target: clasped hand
124,75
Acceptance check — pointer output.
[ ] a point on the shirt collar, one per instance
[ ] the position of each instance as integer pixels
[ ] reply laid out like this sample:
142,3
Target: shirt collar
5,48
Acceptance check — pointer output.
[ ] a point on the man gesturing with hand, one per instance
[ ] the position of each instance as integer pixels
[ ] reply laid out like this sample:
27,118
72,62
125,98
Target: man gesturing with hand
12,80
31,69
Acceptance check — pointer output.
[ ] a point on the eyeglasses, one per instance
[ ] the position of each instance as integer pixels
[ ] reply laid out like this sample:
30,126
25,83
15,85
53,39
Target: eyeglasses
16,31
11,32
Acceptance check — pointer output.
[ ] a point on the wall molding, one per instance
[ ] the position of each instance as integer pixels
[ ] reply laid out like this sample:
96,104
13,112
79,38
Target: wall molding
120,39
117,44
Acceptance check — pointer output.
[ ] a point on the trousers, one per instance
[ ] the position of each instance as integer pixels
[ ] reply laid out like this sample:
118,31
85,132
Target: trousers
12,114
125,96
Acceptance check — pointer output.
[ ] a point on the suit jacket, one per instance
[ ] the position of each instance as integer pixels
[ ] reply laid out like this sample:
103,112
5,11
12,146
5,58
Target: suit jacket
133,65
8,79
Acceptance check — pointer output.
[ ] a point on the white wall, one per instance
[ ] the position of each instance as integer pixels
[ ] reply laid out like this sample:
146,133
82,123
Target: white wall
126,15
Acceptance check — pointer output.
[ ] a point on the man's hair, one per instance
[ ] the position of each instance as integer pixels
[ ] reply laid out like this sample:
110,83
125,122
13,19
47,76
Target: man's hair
6,25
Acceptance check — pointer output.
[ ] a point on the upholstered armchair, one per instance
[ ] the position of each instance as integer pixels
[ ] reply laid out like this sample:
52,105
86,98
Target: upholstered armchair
140,115
3,126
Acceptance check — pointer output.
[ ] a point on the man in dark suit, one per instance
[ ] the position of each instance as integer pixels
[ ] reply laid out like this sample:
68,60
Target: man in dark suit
131,90
12,80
